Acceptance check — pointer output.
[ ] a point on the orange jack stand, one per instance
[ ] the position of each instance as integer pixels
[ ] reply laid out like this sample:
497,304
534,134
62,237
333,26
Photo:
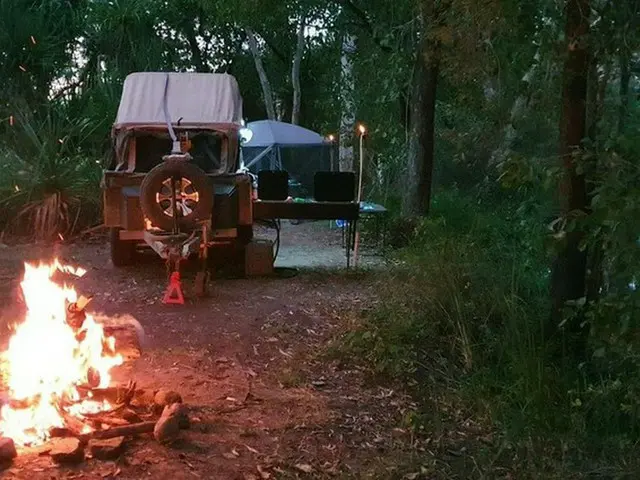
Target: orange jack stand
174,295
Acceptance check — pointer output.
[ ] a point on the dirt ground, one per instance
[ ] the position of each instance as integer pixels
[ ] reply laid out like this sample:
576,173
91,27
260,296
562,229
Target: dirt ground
306,417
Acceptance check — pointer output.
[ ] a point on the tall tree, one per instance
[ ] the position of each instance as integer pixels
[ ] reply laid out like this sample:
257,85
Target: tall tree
420,159
347,102
295,71
267,91
570,268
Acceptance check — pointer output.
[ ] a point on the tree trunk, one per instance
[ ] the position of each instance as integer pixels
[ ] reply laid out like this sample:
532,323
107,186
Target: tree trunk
417,197
570,268
594,111
267,94
348,104
518,111
295,74
625,78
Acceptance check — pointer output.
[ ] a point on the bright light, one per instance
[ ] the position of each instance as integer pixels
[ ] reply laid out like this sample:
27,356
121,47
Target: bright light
47,358
245,135
362,129
331,138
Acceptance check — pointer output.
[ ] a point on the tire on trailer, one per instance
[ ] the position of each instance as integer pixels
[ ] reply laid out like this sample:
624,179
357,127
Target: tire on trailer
153,183
123,252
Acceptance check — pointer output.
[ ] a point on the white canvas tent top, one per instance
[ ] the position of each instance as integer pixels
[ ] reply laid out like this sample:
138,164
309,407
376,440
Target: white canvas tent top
202,99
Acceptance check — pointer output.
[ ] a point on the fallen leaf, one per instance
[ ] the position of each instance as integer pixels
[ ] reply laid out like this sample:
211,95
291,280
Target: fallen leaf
265,475
235,452
303,467
252,450
285,353
229,456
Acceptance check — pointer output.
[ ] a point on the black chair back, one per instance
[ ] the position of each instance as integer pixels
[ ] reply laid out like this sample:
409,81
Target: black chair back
334,186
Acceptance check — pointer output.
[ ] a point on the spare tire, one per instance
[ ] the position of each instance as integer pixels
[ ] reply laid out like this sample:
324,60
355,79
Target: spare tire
194,195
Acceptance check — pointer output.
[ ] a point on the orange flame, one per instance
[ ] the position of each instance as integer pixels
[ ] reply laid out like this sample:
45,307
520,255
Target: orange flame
47,360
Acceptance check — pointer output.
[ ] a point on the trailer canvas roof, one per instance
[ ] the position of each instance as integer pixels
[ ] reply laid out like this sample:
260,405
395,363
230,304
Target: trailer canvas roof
192,98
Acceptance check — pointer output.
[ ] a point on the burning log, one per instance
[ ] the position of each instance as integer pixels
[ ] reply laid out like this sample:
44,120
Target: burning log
124,431
71,423
61,432
21,404
122,394
131,416
110,421
93,377
76,314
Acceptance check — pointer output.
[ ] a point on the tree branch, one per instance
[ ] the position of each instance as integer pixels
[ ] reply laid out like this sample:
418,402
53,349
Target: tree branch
278,53
66,88
262,74
365,23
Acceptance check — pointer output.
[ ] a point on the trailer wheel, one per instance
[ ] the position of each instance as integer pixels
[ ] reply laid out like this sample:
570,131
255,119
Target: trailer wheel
123,252
193,191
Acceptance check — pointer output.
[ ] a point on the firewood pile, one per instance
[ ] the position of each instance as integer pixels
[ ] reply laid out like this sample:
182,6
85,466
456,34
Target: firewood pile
135,412
102,435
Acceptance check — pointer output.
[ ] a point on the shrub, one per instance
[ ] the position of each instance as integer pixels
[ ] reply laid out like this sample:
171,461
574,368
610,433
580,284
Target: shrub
48,187
466,306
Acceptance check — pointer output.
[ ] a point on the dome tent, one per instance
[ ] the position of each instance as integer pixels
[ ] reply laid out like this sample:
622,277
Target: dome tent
277,145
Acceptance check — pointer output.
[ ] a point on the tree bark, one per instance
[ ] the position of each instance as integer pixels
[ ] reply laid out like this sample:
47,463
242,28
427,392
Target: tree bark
594,111
295,74
625,79
570,268
420,161
348,104
518,111
267,93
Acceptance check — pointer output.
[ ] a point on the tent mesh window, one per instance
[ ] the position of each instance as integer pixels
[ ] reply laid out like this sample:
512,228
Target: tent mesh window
300,161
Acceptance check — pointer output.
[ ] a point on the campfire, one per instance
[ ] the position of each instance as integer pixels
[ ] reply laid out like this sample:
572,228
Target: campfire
55,351
56,372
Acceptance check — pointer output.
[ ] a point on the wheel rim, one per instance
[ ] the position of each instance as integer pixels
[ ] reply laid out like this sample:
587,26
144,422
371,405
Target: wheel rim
187,197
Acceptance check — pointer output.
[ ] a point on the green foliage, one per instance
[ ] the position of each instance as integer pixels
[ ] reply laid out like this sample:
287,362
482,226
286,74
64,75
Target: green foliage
452,290
47,181
466,307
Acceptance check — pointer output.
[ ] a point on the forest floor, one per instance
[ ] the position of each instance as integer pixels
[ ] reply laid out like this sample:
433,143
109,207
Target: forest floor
311,417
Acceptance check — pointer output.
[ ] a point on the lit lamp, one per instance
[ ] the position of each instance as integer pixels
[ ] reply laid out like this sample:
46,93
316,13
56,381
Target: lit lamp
362,131
331,139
